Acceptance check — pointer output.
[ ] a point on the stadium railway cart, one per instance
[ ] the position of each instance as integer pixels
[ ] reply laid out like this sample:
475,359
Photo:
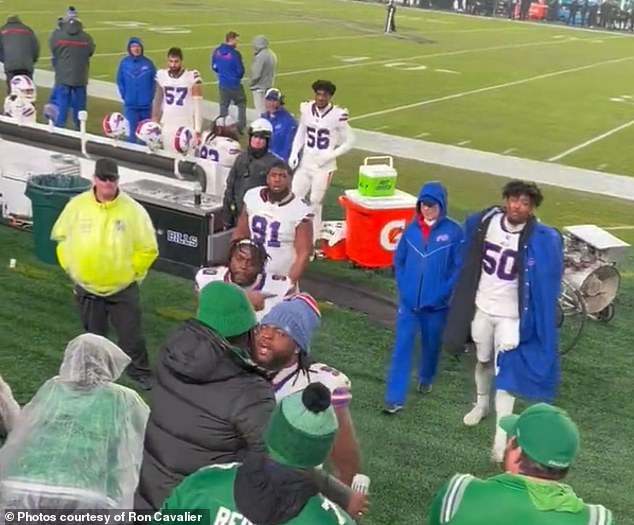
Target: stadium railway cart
591,280
187,220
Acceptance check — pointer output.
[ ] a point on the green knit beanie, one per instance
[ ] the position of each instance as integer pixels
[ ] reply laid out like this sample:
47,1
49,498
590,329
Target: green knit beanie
302,429
226,309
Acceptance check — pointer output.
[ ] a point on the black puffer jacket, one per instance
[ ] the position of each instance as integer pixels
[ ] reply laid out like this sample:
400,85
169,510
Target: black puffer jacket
211,404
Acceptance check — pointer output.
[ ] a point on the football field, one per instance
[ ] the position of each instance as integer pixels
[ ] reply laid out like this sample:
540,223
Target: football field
524,89
528,89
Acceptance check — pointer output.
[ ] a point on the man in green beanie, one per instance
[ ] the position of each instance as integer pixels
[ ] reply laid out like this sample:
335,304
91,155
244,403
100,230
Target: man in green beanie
542,445
272,489
211,402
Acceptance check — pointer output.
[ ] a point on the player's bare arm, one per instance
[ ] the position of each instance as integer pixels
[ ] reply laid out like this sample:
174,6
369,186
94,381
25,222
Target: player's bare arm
303,250
242,228
345,456
157,104
197,95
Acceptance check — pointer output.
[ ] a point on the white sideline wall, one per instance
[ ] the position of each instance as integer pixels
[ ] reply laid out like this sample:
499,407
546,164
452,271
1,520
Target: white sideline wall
611,185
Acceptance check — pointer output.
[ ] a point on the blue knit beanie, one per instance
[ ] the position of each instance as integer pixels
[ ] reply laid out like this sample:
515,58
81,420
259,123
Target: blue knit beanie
298,316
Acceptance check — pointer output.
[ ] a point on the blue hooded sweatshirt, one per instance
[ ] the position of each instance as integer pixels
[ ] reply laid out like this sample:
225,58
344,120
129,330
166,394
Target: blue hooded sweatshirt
284,129
427,269
136,79
226,62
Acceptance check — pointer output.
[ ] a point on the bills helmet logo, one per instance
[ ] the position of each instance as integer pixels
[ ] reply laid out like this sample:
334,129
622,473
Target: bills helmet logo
115,125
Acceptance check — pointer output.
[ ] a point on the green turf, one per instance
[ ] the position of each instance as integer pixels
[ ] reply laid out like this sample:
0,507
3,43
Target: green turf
516,86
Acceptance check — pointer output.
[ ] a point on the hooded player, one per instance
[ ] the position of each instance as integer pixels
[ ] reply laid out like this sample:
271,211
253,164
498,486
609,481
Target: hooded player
323,134
19,104
247,260
283,345
135,80
427,264
506,302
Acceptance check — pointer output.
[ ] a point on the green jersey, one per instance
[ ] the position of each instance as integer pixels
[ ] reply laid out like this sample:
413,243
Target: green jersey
211,488
508,498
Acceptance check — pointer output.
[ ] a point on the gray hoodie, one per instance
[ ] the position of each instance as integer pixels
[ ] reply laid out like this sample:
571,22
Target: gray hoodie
19,47
71,48
264,65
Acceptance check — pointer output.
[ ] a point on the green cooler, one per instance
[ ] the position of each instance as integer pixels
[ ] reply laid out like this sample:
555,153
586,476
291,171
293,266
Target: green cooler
49,194
377,179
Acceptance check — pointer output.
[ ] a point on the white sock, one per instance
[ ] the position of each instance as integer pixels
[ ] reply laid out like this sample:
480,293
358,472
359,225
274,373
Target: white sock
504,403
483,379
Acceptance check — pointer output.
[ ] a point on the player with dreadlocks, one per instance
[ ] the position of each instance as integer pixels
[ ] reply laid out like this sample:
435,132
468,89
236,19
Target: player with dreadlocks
283,345
245,267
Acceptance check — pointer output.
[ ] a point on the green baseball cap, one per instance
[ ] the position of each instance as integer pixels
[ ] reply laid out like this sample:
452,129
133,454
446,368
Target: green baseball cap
545,433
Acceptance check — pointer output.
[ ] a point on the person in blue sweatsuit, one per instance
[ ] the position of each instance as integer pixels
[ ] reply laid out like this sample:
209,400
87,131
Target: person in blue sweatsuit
427,264
284,124
226,62
136,83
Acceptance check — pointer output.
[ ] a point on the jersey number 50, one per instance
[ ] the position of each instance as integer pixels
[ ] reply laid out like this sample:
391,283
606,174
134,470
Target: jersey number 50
266,232
175,95
502,263
317,138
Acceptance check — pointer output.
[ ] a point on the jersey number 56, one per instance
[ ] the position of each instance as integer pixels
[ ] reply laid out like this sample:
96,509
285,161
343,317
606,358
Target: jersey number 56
317,138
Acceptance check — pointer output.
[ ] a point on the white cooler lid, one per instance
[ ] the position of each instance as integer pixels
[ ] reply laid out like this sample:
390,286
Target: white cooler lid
400,199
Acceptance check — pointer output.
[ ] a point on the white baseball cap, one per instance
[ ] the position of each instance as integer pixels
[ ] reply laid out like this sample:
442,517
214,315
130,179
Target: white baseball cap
225,122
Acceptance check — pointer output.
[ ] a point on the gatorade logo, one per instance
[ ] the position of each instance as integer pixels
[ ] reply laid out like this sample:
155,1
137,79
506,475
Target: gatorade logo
391,234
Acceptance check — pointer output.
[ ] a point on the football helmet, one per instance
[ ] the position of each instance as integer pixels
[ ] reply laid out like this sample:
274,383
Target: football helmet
150,133
23,86
18,108
115,126
261,128
184,140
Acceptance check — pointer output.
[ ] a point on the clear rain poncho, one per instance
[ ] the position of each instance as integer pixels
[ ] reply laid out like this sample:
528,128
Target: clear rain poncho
78,444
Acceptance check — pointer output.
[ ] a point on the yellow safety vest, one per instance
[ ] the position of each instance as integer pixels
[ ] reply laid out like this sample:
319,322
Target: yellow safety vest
105,246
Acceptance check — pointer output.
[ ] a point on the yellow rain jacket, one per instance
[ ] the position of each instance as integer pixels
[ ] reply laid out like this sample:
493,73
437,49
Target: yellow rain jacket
105,246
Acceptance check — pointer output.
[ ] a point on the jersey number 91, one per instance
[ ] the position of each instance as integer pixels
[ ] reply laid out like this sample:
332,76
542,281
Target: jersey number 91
317,138
265,232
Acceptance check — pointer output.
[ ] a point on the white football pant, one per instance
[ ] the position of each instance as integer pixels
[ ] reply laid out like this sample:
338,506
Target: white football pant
315,181
492,335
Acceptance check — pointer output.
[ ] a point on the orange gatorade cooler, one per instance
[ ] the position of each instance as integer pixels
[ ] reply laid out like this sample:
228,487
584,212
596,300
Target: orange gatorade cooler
374,226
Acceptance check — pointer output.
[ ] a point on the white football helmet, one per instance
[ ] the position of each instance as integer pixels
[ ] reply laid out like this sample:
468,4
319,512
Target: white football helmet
18,108
261,127
150,133
184,140
116,126
23,86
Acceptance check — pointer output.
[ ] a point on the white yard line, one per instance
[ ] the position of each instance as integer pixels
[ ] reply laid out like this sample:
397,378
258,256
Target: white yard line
416,57
492,88
211,46
591,141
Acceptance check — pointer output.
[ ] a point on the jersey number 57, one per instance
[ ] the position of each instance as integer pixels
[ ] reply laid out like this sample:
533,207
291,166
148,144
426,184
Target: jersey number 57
175,95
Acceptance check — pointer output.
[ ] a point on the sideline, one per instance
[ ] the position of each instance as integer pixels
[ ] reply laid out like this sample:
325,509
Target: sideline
609,185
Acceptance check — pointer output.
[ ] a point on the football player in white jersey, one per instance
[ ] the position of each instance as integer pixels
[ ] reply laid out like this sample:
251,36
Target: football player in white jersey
178,99
283,345
19,103
506,301
245,268
323,134
276,217
218,151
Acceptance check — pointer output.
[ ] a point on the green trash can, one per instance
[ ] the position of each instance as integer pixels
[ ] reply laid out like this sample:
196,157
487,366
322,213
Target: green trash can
49,193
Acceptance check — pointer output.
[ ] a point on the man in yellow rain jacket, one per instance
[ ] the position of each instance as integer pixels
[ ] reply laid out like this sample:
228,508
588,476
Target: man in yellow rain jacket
106,244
